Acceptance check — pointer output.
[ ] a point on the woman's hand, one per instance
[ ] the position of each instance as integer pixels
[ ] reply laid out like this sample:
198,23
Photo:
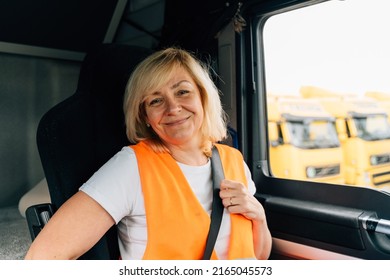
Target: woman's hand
237,199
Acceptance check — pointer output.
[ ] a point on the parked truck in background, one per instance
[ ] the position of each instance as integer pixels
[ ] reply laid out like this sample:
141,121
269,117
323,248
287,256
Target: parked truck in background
301,129
364,134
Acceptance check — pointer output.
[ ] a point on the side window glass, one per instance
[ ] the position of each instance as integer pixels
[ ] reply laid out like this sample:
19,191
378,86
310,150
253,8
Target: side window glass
328,93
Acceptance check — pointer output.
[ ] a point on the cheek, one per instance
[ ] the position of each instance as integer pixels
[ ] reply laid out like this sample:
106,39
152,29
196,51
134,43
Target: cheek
195,105
152,116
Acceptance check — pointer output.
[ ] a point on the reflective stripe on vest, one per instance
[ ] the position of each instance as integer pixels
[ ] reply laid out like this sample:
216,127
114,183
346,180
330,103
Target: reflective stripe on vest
170,204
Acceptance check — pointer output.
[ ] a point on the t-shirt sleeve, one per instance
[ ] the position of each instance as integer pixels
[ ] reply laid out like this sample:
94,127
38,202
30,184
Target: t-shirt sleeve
251,184
116,184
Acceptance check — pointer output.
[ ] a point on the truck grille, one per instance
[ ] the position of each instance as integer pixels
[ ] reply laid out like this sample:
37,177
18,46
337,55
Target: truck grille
383,158
381,178
330,170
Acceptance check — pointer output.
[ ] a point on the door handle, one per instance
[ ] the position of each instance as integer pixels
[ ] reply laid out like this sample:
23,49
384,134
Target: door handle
378,231
374,224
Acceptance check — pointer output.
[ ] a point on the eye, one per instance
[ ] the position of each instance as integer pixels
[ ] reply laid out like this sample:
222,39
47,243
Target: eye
155,101
183,92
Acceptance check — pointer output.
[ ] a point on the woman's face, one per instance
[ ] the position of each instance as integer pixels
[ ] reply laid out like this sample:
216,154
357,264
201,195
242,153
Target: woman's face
175,110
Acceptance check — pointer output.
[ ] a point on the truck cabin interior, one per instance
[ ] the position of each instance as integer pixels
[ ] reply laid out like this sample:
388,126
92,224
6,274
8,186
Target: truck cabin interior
41,53
49,49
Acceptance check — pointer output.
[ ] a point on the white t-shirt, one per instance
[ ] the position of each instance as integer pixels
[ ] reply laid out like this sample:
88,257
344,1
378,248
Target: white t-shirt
116,187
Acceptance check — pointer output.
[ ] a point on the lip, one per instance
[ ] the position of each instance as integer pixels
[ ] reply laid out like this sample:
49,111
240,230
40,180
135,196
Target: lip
177,122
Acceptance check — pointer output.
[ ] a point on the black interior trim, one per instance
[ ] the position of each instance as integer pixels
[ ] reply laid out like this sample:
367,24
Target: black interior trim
321,222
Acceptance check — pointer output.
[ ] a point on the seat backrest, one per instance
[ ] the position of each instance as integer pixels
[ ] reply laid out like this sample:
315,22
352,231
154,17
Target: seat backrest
77,136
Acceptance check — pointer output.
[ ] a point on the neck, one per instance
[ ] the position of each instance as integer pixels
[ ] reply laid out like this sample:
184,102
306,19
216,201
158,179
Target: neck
195,157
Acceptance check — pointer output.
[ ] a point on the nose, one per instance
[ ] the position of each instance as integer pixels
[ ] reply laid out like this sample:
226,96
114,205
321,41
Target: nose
173,106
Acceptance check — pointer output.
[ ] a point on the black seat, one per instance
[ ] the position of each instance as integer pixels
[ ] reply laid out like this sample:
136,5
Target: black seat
80,134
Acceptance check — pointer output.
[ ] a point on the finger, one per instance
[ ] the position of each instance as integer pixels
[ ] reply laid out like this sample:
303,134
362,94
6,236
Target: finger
247,206
232,188
230,184
229,201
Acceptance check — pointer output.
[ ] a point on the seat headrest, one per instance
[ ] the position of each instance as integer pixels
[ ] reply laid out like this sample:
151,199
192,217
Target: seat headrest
106,69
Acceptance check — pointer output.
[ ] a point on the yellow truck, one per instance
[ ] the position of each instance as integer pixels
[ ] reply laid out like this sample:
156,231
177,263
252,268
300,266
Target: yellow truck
364,133
303,140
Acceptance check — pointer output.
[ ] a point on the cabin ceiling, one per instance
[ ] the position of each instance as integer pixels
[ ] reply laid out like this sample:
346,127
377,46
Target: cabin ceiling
46,27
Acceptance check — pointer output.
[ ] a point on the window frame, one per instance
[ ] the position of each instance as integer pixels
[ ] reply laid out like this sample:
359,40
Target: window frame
289,202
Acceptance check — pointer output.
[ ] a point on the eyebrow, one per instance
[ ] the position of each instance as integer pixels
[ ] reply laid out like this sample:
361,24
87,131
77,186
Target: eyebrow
179,83
176,85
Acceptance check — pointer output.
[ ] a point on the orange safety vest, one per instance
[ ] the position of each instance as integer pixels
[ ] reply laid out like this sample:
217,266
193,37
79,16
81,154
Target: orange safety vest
177,224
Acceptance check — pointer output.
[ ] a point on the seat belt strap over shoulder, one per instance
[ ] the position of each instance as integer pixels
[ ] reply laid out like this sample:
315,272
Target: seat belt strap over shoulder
217,206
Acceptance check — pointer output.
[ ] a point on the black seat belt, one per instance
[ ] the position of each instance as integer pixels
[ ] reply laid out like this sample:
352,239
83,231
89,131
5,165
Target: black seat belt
217,206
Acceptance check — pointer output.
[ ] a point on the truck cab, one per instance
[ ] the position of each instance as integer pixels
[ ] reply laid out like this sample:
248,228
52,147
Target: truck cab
364,133
301,128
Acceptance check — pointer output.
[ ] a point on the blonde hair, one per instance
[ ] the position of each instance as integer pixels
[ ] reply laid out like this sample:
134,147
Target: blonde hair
151,74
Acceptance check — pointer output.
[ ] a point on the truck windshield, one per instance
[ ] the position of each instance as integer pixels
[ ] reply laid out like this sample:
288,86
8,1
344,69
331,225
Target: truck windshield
372,128
313,134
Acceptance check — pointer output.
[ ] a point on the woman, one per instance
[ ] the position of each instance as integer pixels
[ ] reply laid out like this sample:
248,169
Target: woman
159,191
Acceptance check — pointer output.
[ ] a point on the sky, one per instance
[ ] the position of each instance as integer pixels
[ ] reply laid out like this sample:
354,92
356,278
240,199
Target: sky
341,46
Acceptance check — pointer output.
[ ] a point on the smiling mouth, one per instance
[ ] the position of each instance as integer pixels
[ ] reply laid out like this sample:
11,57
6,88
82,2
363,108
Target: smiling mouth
177,122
